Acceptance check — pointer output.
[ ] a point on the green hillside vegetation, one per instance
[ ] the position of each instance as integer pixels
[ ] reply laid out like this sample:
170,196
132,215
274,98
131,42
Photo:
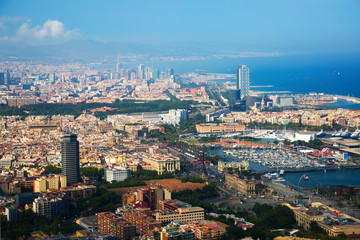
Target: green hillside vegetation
125,106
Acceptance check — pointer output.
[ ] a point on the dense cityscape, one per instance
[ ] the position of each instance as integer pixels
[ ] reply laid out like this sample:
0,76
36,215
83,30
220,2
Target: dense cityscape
113,129
145,157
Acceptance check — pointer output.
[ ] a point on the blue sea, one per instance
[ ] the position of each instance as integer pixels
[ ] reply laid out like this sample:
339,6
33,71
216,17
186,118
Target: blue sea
344,104
335,73
329,178
332,73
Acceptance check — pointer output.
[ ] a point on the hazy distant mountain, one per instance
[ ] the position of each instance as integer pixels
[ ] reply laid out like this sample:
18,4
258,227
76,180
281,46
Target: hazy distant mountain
89,51
85,50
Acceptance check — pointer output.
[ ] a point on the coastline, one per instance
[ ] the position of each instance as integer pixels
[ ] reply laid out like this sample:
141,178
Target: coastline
343,103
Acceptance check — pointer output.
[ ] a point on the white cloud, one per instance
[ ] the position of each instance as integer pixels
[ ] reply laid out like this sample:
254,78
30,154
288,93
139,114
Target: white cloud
51,29
21,29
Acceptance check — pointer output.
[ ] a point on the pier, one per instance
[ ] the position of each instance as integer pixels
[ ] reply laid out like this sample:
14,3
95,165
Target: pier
310,169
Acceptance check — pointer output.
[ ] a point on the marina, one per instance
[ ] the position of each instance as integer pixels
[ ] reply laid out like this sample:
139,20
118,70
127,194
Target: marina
274,158
296,170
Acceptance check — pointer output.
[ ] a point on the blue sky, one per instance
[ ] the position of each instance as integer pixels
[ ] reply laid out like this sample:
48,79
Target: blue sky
251,25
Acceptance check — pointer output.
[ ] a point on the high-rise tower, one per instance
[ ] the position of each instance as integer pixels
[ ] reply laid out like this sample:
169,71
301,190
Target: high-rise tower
141,71
70,158
242,80
170,72
148,73
52,77
2,78
8,79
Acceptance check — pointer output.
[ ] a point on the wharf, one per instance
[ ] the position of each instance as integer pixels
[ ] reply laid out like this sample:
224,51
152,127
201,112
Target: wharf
311,169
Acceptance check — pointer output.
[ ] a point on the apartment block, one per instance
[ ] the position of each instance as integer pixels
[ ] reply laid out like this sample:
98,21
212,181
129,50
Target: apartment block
110,223
145,223
49,207
77,191
49,183
186,215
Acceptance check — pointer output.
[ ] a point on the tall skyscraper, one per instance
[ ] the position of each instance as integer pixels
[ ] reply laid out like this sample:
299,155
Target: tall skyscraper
2,78
70,158
242,80
132,76
52,77
170,72
141,71
148,73
8,79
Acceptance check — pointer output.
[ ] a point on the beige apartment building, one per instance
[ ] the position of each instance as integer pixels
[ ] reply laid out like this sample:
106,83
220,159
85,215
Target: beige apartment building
186,215
46,183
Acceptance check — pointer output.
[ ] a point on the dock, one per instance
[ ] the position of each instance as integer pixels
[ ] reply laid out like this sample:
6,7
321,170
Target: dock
311,169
